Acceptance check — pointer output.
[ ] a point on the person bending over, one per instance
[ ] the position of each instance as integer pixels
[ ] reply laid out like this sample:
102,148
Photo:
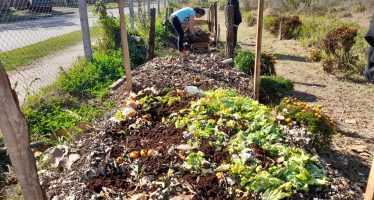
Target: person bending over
185,16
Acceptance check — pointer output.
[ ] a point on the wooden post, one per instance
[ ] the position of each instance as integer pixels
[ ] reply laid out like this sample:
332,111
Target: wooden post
151,41
125,45
148,8
229,31
209,19
85,29
258,50
158,7
369,194
13,126
132,13
215,21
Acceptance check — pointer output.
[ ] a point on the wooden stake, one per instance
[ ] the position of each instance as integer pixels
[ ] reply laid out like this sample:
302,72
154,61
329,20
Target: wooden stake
85,29
257,70
369,194
215,21
229,31
151,41
13,126
125,45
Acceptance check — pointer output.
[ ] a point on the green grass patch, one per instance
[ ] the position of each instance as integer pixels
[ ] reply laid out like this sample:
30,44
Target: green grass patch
19,57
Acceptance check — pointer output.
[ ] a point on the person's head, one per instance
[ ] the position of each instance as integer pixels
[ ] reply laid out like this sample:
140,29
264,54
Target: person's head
199,12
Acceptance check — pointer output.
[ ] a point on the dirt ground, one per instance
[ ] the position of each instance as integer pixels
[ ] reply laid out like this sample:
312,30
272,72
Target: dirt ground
349,100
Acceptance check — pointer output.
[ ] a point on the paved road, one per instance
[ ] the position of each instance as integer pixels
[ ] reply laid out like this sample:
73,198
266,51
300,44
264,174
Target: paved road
23,33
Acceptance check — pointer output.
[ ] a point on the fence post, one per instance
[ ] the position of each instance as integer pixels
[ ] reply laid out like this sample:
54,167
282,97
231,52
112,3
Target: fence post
258,50
229,31
158,7
125,45
132,13
151,42
13,126
215,21
85,29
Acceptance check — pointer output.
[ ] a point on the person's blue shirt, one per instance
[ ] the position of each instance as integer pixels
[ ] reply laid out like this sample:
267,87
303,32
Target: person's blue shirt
184,14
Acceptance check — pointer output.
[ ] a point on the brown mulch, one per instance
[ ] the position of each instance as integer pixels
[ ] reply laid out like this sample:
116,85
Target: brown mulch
202,70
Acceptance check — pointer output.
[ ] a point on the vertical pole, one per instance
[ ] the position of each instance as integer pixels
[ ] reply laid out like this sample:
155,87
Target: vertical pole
158,7
258,50
215,21
13,126
229,31
132,13
165,3
151,42
369,194
125,45
148,8
85,29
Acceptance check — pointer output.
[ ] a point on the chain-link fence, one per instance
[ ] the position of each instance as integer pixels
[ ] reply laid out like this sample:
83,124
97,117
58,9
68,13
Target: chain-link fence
38,38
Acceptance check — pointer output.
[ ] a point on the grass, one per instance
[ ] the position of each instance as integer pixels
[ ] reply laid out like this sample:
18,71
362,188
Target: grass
22,56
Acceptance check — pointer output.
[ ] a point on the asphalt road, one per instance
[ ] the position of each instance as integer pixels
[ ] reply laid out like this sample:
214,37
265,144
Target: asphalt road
23,33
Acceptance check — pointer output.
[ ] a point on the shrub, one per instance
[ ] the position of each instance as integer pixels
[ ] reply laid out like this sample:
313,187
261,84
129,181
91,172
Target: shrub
245,61
294,4
289,26
111,37
300,113
360,7
273,88
315,55
337,44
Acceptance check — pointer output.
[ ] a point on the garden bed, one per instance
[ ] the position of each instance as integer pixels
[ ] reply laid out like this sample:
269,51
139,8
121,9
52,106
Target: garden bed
147,152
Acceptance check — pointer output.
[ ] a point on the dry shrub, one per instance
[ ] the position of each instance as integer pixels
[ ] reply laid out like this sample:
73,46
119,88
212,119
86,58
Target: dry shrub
337,44
289,26
251,19
315,55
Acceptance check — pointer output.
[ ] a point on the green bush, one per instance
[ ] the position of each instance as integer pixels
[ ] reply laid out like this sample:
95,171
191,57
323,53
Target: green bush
250,18
245,61
273,88
88,80
111,37
77,96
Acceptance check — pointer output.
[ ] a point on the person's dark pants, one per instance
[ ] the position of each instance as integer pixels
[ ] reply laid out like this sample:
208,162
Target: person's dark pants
235,34
178,28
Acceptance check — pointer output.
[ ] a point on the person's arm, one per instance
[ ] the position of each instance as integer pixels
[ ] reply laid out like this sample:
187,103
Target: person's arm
191,24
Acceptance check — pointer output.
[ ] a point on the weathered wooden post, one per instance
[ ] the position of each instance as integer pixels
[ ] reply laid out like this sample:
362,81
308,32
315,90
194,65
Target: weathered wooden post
229,31
13,126
158,7
215,21
132,13
125,45
85,29
258,50
369,194
151,41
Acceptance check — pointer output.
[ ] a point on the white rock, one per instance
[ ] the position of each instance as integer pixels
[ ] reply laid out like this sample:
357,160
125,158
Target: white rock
192,90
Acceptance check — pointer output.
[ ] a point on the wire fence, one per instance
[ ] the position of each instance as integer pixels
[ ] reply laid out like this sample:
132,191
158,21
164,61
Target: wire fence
40,38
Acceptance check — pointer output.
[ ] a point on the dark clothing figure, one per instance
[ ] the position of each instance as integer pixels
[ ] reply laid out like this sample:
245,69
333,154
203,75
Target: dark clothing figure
178,28
369,70
237,17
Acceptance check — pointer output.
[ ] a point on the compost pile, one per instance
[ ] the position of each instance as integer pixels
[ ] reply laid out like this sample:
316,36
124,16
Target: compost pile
203,71
199,37
172,140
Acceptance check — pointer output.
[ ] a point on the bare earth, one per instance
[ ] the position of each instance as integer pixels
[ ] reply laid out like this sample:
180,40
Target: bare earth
349,101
